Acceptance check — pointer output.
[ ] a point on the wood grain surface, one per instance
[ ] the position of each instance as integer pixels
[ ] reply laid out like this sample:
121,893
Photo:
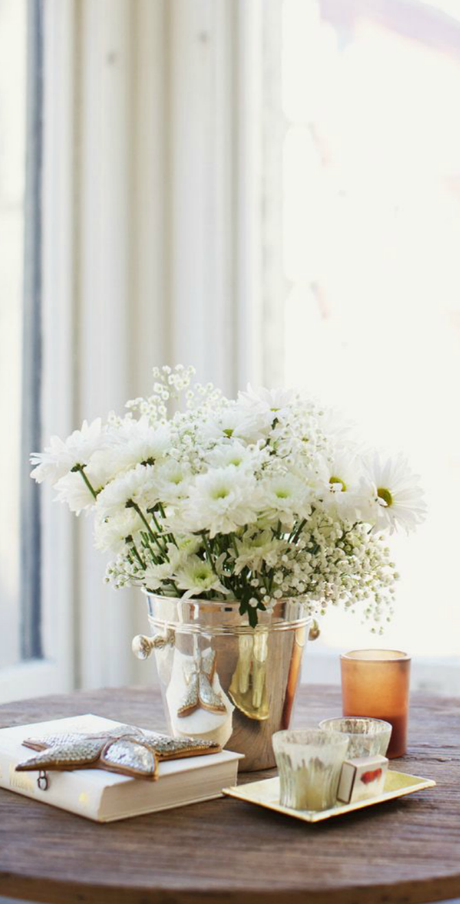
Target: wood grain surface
405,851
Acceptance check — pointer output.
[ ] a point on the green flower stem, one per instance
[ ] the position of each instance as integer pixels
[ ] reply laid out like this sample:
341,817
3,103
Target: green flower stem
138,556
159,527
157,524
266,578
171,537
151,534
173,584
209,553
298,531
81,470
147,546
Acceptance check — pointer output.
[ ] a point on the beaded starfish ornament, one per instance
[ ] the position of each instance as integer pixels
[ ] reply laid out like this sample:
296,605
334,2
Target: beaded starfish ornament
126,749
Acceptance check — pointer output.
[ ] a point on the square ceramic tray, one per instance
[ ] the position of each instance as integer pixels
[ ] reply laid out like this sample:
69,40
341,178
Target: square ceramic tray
266,794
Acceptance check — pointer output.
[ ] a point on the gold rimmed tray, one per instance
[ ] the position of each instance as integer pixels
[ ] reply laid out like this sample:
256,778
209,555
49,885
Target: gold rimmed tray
267,794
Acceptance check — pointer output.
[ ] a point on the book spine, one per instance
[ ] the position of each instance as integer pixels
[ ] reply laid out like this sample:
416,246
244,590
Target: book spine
65,790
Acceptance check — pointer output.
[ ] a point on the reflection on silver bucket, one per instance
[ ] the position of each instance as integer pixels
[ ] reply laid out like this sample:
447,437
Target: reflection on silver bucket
221,679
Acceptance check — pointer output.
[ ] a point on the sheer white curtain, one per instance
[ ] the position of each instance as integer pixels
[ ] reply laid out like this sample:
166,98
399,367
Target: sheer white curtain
363,209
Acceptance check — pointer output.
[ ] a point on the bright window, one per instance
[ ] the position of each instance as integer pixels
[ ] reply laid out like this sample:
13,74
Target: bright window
364,112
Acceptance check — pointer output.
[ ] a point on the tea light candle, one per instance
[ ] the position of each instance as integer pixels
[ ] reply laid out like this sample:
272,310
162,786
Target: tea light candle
368,737
375,683
309,763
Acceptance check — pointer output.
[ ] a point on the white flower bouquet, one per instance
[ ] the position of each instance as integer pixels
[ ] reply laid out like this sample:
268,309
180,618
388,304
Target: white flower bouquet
255,499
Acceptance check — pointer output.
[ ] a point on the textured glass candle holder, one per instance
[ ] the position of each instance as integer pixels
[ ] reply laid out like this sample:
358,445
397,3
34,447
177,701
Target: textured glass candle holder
368,737
309,764
375,683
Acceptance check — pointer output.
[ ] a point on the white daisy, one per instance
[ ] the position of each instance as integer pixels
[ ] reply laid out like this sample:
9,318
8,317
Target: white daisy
341,478
138,486
392,497
198,577
61,456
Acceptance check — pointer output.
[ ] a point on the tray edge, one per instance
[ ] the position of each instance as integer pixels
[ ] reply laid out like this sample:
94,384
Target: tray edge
322,816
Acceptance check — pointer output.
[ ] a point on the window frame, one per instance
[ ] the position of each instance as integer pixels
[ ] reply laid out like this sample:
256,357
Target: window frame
41,674
31,646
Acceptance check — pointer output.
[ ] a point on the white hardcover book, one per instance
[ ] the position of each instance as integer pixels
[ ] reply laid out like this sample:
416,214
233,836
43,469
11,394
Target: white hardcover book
105,796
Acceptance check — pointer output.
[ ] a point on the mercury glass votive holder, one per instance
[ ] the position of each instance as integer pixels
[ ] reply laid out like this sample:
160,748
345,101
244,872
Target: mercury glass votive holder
375,683
309,764
367,737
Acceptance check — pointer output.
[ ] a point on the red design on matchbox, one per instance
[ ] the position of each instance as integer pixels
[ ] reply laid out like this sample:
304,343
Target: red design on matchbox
368,777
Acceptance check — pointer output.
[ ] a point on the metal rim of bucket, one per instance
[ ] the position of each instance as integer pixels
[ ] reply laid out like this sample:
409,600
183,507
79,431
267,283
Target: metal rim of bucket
188,627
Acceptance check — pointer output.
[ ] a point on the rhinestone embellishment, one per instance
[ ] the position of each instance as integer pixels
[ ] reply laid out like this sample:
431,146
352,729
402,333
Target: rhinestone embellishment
126,749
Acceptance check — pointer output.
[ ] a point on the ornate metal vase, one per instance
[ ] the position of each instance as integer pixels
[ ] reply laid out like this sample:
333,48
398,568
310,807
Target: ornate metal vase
223,680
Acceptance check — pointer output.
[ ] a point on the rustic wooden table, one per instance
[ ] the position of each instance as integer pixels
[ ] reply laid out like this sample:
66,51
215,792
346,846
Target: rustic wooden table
407,850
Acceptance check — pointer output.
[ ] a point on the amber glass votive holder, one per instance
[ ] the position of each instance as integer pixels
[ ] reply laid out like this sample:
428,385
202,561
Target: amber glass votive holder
375,683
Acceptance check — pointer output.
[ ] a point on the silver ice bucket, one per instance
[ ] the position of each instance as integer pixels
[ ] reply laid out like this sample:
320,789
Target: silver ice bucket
223,680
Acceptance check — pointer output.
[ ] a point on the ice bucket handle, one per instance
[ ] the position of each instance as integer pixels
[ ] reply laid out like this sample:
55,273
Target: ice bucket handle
142,645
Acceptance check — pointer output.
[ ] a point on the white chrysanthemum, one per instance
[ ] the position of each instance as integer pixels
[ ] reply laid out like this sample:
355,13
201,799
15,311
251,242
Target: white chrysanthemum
173,480
75,493
286,498
178,552
79,493
185,546
222,500
197,577
133,442
392,497
237,455
157,575
62,455
136,486
112,533
236,422
255,549
272,403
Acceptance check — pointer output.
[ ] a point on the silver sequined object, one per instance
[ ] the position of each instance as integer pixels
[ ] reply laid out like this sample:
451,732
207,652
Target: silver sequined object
126,752
126,749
